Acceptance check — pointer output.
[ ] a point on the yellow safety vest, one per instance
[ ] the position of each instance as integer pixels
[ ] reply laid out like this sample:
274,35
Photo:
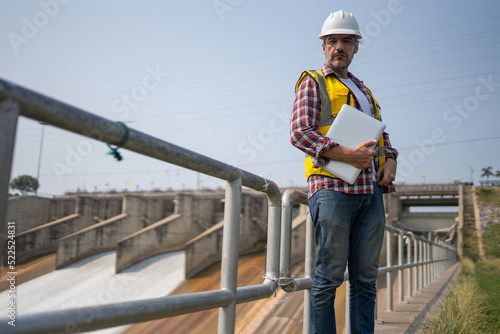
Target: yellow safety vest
334,94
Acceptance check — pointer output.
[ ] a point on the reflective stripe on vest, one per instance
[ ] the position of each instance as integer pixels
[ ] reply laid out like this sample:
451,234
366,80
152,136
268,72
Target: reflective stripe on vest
334,94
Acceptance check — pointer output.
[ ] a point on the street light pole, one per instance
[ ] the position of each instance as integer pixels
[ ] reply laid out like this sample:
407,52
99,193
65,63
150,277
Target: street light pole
40,156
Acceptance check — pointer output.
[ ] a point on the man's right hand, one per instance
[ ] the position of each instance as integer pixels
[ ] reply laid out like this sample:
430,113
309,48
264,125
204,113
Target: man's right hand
360,157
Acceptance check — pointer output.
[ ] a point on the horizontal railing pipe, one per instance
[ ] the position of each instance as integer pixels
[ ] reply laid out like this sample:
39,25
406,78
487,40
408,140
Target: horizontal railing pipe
116,314
247,294
303,283
44,109
385,270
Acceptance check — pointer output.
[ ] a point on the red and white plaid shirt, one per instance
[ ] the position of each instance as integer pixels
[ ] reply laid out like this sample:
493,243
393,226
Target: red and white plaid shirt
306,137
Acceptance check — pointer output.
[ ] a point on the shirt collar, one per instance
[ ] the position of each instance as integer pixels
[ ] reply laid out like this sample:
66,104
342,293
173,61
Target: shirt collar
328,71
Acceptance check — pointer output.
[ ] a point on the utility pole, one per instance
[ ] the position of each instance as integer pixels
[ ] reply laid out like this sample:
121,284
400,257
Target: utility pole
40,156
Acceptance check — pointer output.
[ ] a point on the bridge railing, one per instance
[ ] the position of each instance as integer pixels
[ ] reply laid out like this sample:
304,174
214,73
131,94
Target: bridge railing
433,256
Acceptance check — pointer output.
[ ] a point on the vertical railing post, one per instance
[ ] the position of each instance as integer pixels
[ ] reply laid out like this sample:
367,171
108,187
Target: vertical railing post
286,242
427,259
415,256
410,276
400,263
389,273
431,258
422,266
9,112
308,271
445,255
439,250
229,260
273,240
426,265
436,257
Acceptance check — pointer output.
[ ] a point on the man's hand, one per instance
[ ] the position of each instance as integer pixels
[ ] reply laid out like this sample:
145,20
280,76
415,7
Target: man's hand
360,157
387,172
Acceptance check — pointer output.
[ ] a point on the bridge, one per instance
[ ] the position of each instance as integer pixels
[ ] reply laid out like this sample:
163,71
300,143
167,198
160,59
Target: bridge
443,203
258,221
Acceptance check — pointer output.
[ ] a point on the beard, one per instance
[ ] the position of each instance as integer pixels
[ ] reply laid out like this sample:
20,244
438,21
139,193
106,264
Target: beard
339,64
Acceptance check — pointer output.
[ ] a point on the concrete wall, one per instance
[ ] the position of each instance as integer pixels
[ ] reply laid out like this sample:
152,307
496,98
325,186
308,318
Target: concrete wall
106,207
161,237
253,227
29,211
206,248
102,236
193,214
428,221
299,236
62,207
43,239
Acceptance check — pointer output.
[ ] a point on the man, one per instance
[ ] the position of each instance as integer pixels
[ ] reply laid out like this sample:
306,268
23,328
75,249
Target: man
349,219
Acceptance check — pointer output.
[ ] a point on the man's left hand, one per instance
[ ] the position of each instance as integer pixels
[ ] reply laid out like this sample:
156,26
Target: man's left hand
387,172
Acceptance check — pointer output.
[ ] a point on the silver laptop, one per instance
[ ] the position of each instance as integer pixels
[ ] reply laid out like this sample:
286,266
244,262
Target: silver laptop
350,128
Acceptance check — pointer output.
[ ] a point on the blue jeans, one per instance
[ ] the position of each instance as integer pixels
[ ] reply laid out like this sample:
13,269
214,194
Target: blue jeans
349,231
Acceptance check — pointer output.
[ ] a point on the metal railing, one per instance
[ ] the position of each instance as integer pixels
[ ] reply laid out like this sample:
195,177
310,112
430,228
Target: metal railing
17,101
426,259
429,260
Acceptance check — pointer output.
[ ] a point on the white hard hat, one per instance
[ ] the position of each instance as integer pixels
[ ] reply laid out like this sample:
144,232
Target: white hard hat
340,22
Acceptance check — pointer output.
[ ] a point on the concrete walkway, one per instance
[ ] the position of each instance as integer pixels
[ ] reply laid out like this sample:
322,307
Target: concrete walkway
410,317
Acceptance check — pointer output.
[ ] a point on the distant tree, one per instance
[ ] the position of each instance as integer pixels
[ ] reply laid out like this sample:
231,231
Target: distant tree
497,174
25,184
487,172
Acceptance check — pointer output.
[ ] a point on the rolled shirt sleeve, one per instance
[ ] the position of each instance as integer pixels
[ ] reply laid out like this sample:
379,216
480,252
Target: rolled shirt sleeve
305,122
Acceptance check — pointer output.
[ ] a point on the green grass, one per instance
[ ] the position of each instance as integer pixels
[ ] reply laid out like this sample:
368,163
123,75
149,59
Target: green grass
488,271
488,195
463,311
488,280
473,306
491,241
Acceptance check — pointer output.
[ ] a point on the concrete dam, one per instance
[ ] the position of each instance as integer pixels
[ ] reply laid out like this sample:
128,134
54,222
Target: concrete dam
136,226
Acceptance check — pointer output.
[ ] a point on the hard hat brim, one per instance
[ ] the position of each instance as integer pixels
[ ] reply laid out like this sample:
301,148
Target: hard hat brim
340,32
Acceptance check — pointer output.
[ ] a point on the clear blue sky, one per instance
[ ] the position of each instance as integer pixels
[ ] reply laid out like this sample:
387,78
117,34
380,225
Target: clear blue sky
218,77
